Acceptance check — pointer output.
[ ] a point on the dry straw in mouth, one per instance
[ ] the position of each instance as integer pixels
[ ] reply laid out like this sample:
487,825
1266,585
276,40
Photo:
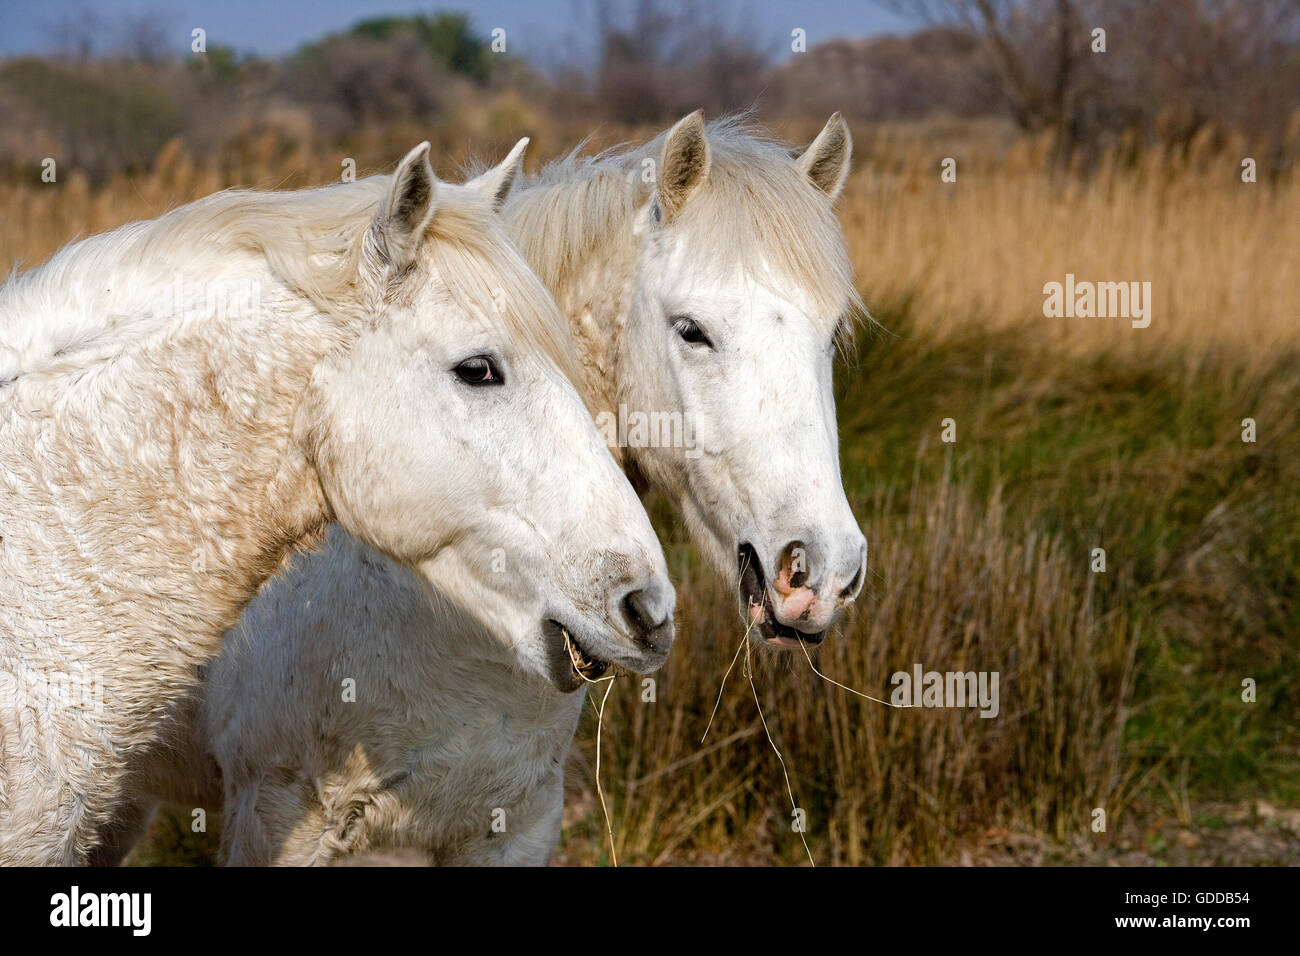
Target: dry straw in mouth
749,673
600,721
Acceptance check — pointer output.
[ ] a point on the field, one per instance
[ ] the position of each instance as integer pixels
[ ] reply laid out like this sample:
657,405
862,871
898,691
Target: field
1121,690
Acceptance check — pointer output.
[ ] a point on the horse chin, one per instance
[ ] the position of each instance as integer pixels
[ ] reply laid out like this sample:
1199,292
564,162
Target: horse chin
758,610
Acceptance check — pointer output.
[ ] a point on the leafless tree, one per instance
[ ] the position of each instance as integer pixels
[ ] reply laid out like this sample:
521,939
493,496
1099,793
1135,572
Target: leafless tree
146,36
1037,46
659,59
1176,65
78,33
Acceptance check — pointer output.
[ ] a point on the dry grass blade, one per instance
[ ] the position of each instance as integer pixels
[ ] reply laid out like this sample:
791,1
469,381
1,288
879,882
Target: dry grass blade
749,672
804,647
744,641
600,722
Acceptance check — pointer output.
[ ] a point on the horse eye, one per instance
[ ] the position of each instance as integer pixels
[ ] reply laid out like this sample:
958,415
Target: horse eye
479,370
689,330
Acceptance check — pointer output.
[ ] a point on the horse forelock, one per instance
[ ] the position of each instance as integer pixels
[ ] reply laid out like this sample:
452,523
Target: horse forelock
486,274
755,211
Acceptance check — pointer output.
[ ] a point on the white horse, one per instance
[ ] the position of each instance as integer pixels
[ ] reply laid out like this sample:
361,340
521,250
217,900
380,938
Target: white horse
706,301
185,400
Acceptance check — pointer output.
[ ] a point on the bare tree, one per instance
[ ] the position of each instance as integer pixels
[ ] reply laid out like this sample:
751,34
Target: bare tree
1037,46
145,36
1171,66
78,33
660,59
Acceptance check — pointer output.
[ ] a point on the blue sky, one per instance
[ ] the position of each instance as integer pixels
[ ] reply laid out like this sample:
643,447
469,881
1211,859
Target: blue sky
549,31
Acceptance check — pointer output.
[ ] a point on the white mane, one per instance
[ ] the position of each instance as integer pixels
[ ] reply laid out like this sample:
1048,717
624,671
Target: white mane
94,294
755,204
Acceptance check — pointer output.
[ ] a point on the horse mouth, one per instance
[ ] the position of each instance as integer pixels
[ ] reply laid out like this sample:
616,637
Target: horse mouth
583,665
758,604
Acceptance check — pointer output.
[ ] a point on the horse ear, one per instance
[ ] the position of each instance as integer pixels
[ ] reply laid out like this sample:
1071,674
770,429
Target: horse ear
406,213
683,165
496,183
826,160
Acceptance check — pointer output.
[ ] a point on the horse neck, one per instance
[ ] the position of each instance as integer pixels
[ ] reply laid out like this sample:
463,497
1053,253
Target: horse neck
156,486
464,664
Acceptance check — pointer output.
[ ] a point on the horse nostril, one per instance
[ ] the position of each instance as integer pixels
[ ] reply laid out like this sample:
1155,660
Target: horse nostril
794,562
638,609
854,585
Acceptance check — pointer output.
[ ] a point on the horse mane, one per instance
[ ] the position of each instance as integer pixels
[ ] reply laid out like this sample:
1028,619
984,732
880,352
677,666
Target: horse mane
762,213
313,240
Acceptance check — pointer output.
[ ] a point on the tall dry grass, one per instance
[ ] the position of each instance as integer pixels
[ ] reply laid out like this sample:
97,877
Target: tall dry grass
882,784
1222,255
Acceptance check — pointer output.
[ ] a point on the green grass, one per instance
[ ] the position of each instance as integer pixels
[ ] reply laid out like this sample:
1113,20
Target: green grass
1201,530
